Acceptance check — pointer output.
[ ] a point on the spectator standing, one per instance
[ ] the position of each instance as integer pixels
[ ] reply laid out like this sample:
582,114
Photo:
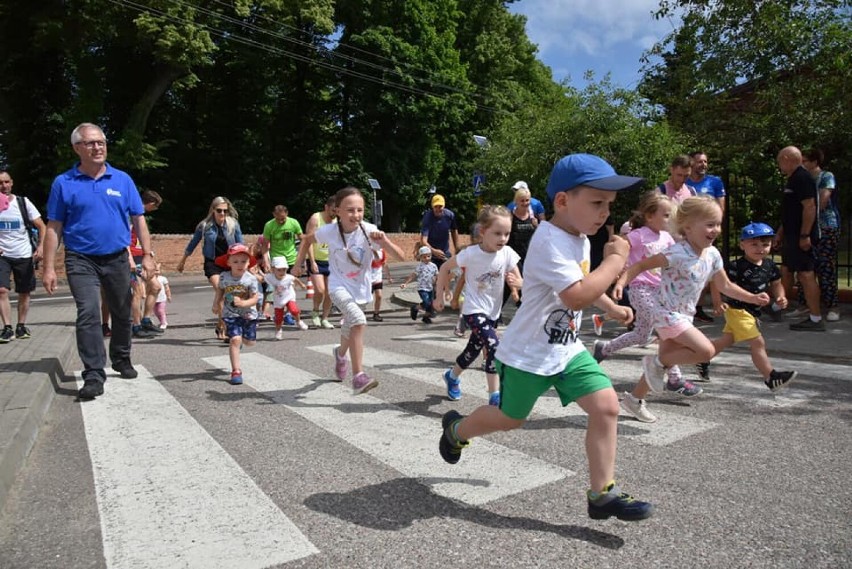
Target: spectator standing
280,235
17,257
89,206
704,183
798,233
535,205
437,228
218,231
828,216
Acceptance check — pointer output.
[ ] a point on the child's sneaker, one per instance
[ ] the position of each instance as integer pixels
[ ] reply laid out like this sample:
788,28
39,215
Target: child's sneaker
494,399
685,388
637,408
450,447
598,321
655,374
236,377
703,370
362,383
613,502
459,333
413,312
779,379
453,387
341,365
302,325
289,320
427,319
598,351
279,334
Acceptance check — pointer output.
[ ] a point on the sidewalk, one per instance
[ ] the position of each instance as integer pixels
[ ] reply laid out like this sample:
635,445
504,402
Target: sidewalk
33,370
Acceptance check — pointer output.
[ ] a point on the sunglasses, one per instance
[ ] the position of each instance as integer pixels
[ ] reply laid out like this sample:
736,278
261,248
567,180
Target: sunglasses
221,210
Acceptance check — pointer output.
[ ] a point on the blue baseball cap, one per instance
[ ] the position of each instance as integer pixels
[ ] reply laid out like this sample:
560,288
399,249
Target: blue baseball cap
587,170
754,230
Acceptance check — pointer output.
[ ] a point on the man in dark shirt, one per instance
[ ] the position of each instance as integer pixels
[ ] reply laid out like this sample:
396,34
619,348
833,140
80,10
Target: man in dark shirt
437,228
798,233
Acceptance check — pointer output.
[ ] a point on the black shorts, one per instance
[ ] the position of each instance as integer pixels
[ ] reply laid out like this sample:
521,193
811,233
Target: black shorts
797,260
322,268
379,285
22,269
211,268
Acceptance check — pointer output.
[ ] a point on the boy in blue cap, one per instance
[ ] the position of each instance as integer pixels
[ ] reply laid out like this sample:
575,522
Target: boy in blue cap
541,347
756,273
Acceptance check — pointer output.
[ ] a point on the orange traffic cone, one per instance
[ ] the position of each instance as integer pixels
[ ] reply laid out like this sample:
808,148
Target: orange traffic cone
310,293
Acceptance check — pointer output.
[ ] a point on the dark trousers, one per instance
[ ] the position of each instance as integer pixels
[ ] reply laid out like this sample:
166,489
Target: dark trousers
86,275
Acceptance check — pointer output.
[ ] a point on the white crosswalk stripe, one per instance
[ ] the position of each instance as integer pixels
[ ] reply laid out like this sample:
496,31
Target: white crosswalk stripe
406,442
169,495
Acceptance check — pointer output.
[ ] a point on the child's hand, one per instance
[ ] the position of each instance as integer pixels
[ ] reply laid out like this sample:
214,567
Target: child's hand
297,271
454,304
617,292
378,236
781,301
514,280
719,309
762,299
622,314
617,246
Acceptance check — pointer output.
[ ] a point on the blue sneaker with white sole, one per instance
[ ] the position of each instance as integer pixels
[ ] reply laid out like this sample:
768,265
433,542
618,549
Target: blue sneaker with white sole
453,387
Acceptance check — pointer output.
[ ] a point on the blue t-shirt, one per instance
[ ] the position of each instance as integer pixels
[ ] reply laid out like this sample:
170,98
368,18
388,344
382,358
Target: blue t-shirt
95,214
437,229
829,217
535,205
709,185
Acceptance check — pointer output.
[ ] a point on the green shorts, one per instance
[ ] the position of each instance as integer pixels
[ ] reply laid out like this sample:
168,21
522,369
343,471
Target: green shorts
519,390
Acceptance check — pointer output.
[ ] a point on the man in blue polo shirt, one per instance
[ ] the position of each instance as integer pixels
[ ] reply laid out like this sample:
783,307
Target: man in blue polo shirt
89,206
438,226
704,183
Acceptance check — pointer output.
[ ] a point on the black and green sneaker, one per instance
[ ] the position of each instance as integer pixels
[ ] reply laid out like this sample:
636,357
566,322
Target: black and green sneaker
613,502
6,335
22,332
450,446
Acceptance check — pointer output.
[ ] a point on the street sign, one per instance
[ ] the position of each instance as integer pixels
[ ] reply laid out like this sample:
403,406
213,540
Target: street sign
478,181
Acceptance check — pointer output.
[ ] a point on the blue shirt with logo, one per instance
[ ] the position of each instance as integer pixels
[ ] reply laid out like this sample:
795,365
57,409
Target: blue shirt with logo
709,185
95,214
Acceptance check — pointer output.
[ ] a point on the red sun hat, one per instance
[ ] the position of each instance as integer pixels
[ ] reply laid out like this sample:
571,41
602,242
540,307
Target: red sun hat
235,249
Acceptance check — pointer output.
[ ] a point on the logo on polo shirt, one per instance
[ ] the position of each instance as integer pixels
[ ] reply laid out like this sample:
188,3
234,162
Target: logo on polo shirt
111,192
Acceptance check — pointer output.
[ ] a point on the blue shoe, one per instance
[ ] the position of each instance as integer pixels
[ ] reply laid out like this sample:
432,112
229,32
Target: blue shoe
236,377
616,503
453,387
494,399
289,320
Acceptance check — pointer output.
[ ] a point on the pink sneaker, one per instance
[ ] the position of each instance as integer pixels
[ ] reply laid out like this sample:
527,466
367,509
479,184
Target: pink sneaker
362,383
341,365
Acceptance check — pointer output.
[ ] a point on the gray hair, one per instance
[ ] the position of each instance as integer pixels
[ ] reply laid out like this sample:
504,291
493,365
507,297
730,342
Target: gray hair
77,137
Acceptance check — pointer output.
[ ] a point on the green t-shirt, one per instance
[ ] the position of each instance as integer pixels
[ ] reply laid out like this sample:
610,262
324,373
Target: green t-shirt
282,238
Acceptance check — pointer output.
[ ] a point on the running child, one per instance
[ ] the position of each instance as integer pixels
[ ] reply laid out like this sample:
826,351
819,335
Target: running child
756,273
648,238
352,245
163,297
541,347
687,266
379,268
240,291
487,267
426,273
283,294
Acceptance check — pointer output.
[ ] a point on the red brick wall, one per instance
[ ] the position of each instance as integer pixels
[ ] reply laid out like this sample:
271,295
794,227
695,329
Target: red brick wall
170,248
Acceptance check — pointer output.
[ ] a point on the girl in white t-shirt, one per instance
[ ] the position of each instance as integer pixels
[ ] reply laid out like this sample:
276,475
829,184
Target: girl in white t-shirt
648,238
283,294
352,246
164,296
687,266
487,267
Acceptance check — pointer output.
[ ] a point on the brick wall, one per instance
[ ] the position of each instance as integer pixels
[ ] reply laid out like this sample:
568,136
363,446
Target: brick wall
170,248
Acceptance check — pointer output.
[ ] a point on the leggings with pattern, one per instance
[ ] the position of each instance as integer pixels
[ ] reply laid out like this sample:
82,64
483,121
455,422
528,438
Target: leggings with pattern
826,268
642,298
483,334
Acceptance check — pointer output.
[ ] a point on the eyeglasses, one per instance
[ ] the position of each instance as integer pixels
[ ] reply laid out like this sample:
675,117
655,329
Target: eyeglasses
93,143
221,210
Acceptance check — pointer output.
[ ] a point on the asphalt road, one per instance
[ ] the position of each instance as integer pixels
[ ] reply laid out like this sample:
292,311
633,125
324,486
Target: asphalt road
181,469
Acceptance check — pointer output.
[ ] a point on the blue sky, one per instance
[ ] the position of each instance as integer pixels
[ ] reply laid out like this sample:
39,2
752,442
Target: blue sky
606,36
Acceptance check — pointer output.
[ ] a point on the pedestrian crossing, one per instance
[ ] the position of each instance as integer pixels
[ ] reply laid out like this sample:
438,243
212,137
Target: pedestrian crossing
161,478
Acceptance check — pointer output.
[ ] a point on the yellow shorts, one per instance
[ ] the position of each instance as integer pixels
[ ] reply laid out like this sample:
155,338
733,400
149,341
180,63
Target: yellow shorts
741,324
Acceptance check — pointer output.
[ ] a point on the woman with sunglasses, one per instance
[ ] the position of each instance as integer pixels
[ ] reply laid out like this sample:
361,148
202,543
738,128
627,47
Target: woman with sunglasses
219,230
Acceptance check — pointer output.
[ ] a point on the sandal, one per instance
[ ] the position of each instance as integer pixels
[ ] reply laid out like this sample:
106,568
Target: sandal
220,333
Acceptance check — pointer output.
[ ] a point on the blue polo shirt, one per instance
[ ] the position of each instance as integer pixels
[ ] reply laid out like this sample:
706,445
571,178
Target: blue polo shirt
535,205
709,185
95,214
437,229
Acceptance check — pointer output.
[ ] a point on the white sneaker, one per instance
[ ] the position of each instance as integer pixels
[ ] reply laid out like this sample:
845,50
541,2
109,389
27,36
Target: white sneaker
315,320
279,334
326,324
637,408
832,316
655,374
302,325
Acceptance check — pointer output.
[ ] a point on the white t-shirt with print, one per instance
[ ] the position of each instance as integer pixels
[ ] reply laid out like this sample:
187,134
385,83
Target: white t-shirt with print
682,281
484,278
282,290
354,277
544,335
14,240
426,273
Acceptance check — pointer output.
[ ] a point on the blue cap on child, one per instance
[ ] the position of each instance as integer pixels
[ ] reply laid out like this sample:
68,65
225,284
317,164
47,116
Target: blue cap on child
587,170
754,230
